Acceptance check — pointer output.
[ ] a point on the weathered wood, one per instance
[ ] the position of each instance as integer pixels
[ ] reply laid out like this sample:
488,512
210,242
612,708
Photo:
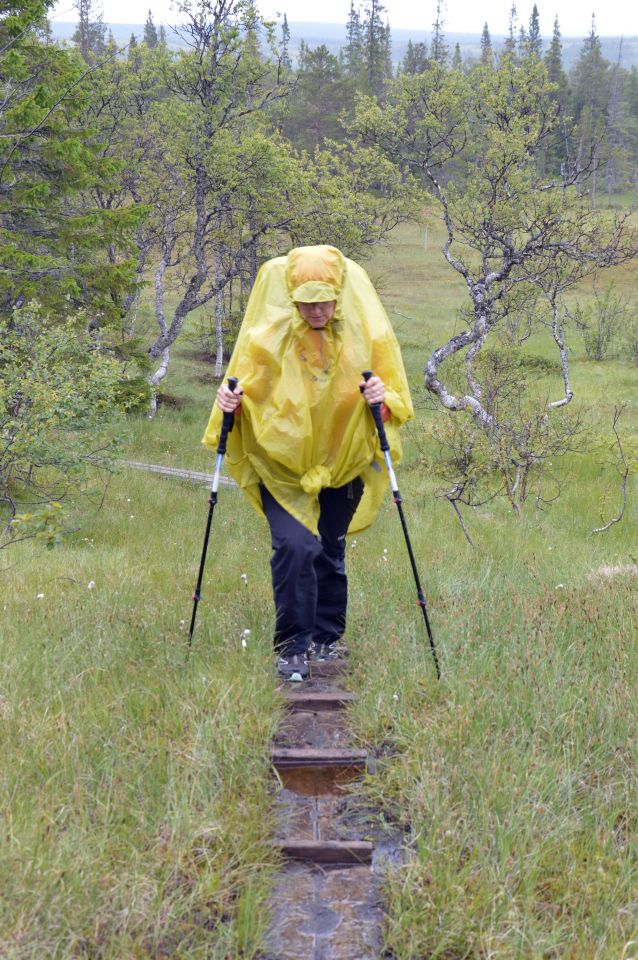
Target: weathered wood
309,757
327,851
327,668
328,700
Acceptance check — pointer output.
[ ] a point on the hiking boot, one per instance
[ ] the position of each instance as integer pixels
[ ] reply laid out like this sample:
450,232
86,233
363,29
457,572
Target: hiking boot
325,651
293,666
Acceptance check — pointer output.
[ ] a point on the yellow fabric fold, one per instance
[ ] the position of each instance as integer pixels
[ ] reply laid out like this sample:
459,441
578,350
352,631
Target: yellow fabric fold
312,291
304,424
315,479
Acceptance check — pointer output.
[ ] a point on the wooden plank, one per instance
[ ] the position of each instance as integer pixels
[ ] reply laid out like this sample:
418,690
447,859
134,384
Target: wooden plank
327,851
327,668
313,757
329,700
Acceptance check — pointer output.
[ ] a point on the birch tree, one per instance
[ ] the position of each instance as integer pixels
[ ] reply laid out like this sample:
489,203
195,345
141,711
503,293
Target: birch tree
512,235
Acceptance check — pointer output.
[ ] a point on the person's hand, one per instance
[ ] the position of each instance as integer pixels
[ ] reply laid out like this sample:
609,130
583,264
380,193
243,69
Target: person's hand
227,400
373,390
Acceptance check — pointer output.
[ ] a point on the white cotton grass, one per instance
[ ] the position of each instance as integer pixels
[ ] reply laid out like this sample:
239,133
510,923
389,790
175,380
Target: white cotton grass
91,585
40,596
244,638
244,578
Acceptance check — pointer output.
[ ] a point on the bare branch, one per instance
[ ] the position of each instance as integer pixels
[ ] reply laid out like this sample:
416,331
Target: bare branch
618,411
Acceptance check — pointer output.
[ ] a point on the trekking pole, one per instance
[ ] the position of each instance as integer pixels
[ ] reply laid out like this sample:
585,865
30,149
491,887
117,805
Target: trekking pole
375,409
227,426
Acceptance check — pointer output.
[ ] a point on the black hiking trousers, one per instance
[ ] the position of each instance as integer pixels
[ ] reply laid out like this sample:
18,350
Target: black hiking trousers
309,580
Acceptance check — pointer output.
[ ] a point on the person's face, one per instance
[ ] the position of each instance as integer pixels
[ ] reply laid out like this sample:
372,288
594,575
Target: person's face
317,315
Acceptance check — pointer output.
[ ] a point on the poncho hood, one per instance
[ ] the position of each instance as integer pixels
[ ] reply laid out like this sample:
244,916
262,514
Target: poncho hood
303,423
315,274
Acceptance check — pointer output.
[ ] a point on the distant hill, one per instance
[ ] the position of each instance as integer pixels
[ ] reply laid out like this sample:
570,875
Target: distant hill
333,35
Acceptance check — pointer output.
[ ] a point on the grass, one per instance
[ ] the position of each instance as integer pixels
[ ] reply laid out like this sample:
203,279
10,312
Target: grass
135,789
135,781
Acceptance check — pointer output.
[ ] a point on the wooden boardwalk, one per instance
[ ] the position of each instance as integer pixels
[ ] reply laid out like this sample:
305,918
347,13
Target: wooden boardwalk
326,904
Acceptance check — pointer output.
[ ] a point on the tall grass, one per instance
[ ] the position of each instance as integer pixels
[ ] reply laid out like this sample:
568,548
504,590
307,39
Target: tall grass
514,778
134,779
136,794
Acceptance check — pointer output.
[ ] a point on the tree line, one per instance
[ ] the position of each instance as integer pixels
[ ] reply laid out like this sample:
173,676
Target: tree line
178,172
597,100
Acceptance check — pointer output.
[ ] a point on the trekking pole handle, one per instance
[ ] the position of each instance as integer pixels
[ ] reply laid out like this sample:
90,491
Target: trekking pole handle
375,409
229,420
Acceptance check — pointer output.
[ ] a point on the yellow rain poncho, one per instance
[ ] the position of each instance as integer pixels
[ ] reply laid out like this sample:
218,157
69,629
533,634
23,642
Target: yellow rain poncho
303,424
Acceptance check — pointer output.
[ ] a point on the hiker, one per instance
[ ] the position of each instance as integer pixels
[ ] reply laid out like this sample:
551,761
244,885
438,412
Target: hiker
304,449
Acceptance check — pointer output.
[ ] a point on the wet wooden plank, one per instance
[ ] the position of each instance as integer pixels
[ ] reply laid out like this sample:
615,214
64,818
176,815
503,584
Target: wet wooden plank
312,757
328,668
327,851
328,700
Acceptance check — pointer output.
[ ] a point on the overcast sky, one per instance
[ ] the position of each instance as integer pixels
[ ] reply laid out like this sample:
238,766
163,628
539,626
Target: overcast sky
613,17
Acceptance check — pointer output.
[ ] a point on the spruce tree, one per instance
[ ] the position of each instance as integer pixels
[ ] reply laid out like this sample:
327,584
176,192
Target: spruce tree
590,80
52,237
438,47
90,33
510,41
534,42
487,54
150,33
376,52
558,154
284,46
353,50
415,59
590,91
318,99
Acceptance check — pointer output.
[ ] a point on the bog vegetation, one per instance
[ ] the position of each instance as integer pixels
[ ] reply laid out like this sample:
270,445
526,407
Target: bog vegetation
139,192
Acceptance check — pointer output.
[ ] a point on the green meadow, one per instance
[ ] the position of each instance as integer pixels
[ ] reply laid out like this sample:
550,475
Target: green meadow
136,794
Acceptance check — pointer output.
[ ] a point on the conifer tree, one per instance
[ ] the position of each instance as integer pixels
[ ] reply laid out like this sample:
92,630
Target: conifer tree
590,93
319,97
533,40
376,47
61,299
416,58
487,54
558,154
150,33
90,33
353,50
457,58
621,144
510,41
438,47
52,245
284,46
